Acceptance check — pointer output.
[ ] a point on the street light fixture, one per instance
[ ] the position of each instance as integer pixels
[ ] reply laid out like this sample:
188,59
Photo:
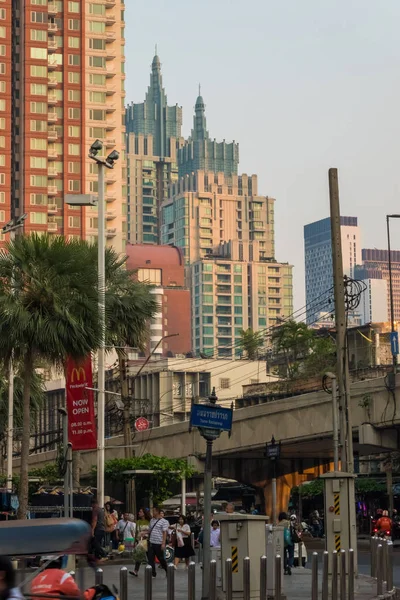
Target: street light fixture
394,338
11,227
83,200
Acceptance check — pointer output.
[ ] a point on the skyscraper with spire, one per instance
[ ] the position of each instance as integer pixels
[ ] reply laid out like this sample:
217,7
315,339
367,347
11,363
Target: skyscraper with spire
153,137
201,153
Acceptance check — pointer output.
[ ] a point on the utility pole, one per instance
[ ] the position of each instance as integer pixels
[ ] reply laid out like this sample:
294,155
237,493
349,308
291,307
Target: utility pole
346,433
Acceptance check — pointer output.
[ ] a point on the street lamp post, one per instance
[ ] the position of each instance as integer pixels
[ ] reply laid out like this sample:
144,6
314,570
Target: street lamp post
11,227
102,163
394,336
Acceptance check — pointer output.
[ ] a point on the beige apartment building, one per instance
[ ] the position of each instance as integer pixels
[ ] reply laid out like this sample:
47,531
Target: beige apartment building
226,233
207,209
61,84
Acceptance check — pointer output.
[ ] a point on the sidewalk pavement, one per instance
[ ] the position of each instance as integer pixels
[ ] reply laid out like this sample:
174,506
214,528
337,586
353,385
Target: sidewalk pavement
298,586
294,587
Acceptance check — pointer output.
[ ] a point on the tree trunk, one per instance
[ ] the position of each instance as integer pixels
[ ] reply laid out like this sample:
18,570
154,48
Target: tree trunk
26,438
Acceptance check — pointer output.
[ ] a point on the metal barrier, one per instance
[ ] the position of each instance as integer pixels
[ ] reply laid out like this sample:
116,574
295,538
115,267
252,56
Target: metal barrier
213,580
246,578
343,580
374,545
278,577
191,581
314,576
379,570
263,578
389,580
325,575
99,576
123,584
351,574
171,582
148,583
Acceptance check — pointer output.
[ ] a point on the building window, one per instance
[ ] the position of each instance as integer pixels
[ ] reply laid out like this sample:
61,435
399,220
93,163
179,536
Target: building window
38,35
38,162
74,77
74,60
74,24
40,53
97,26
74,95
73,42
39,218
74,113
74,149
38,199
74,222
74,7
74,185
225,383
37,71
150,275
39,17
38,144
38,180
38,89
2,197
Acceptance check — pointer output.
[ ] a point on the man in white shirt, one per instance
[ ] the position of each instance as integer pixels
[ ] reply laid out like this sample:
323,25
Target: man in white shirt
157,540
126,528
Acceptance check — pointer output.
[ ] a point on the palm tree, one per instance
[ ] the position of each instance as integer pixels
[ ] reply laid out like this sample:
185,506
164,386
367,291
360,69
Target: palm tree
250,342
48,311
130,305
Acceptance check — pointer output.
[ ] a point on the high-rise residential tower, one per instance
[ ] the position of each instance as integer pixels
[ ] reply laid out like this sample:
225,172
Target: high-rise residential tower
61,82
201,153
318,261
153,136
375,267
225,230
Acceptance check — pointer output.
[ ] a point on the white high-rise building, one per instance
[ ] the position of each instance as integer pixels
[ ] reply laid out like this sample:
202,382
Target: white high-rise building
318,261
373,306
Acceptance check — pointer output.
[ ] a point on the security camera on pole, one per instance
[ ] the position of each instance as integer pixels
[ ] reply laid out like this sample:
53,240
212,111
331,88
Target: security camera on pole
87,200
210,419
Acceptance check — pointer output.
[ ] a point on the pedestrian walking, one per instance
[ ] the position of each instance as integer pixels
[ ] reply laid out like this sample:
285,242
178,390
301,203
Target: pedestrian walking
157,540
142,534
288,542
215,534
182,544
98,531
126,531
111,522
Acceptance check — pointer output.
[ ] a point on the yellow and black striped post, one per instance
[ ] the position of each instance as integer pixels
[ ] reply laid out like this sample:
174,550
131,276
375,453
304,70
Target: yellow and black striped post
336,507
235,559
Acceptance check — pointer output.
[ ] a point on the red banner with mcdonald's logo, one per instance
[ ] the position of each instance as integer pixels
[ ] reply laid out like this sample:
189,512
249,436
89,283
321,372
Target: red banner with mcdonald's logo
80,405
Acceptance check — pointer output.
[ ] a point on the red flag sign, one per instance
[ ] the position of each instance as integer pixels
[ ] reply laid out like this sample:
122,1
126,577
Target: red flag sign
80,405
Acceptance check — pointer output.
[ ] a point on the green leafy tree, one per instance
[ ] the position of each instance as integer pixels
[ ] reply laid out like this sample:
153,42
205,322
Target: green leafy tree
250,341
293,341
167,472
48,311
322,356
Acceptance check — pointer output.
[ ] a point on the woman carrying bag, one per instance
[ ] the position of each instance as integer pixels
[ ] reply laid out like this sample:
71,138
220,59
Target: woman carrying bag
181,542
142,532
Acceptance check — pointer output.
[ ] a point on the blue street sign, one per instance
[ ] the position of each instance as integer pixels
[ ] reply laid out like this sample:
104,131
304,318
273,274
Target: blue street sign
211,417
394,342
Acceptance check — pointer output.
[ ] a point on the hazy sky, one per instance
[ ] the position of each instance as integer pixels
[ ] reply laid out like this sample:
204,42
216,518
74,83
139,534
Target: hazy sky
302,85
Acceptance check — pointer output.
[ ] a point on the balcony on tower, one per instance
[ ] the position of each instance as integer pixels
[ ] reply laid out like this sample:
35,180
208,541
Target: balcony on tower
52,135
52,28
52,8
52,46
111,232
52,117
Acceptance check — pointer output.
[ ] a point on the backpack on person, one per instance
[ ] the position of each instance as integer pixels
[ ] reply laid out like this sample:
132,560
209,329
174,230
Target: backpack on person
287,537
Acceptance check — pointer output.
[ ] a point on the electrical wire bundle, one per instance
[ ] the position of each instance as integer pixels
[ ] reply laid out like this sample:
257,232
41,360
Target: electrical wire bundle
353,289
